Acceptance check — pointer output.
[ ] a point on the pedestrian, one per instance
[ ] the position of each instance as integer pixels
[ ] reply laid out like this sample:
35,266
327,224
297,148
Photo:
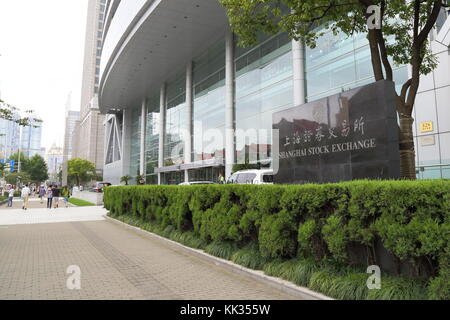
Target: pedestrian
49,197
66,195
221,179
42,193
11,196
56,195
25,196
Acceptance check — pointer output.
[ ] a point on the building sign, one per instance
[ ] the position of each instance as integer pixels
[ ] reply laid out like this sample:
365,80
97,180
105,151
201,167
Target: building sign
428,140
426,126
352,135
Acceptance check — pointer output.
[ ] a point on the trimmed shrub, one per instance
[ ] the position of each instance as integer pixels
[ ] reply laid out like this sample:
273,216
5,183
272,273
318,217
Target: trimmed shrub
350,223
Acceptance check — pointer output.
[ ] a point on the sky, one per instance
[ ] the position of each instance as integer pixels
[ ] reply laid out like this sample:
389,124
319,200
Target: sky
41,59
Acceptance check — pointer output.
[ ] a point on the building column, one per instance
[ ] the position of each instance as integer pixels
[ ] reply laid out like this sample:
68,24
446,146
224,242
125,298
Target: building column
142,159
189,110
298,60
162,128
230,152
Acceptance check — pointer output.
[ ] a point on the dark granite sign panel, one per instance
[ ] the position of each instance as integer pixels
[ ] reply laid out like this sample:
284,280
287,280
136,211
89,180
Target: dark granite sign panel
347,136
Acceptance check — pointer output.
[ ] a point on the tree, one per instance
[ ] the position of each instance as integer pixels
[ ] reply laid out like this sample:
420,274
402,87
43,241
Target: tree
125,179
407,25
10,112
37,169
140,179
81,170
24,161
16,177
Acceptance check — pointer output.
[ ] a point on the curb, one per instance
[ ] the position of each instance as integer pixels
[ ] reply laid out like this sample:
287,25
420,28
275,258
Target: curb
277,283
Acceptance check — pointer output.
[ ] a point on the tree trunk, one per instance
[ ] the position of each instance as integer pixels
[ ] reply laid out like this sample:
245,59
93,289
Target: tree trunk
407,152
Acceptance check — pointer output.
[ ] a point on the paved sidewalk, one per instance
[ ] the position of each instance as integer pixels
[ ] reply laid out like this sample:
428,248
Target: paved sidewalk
115,263
36,214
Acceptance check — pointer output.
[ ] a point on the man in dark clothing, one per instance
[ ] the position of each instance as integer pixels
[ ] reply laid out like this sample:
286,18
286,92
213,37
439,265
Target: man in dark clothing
56,195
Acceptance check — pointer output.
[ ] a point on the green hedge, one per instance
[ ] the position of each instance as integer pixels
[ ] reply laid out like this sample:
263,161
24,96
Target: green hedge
410,219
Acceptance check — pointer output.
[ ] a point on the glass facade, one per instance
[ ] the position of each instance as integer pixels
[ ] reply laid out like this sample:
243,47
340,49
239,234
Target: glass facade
176,121
263,86
209,104
339,63
135,142
152,139
30,143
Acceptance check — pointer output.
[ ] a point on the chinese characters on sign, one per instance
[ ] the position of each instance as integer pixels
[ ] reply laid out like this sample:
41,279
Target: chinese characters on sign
352,135
306,136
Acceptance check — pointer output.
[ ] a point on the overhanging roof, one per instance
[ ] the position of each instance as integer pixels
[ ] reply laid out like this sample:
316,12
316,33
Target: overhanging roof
168,35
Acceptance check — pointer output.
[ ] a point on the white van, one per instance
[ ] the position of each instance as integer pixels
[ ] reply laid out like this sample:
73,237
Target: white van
263,176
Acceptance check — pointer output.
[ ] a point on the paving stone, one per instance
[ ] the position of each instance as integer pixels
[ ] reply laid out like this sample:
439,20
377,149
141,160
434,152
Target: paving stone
115,263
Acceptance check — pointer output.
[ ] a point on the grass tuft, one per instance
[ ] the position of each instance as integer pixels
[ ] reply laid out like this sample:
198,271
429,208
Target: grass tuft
249,257
222,250
81,203
398,289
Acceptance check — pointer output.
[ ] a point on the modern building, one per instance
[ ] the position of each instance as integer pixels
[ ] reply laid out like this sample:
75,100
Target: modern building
9,138
71,118
432,110
30,139
54,159
185,102
90,131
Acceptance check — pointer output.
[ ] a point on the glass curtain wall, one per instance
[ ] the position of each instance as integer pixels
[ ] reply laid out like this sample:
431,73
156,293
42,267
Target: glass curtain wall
135,142
176,121
339,63
209,104
264,85
152,139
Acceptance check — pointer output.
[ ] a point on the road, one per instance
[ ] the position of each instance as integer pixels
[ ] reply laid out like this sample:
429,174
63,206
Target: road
38,245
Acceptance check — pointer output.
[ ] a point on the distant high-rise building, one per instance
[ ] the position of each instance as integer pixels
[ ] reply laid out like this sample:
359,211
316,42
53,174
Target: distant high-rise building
30,139
54,159
9,138
71,119
91,129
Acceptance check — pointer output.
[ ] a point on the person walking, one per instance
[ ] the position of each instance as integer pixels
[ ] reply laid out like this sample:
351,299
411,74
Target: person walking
11,196
42,193
49,197
56,195
65,193
25,196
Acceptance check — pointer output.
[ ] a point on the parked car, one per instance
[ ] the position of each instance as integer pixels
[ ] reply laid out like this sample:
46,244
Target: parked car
195,183
99,187
263,176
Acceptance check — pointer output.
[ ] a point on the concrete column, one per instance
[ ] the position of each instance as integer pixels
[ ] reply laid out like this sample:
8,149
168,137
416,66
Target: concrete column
230,152
142,162
189,110
162,128
298,60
